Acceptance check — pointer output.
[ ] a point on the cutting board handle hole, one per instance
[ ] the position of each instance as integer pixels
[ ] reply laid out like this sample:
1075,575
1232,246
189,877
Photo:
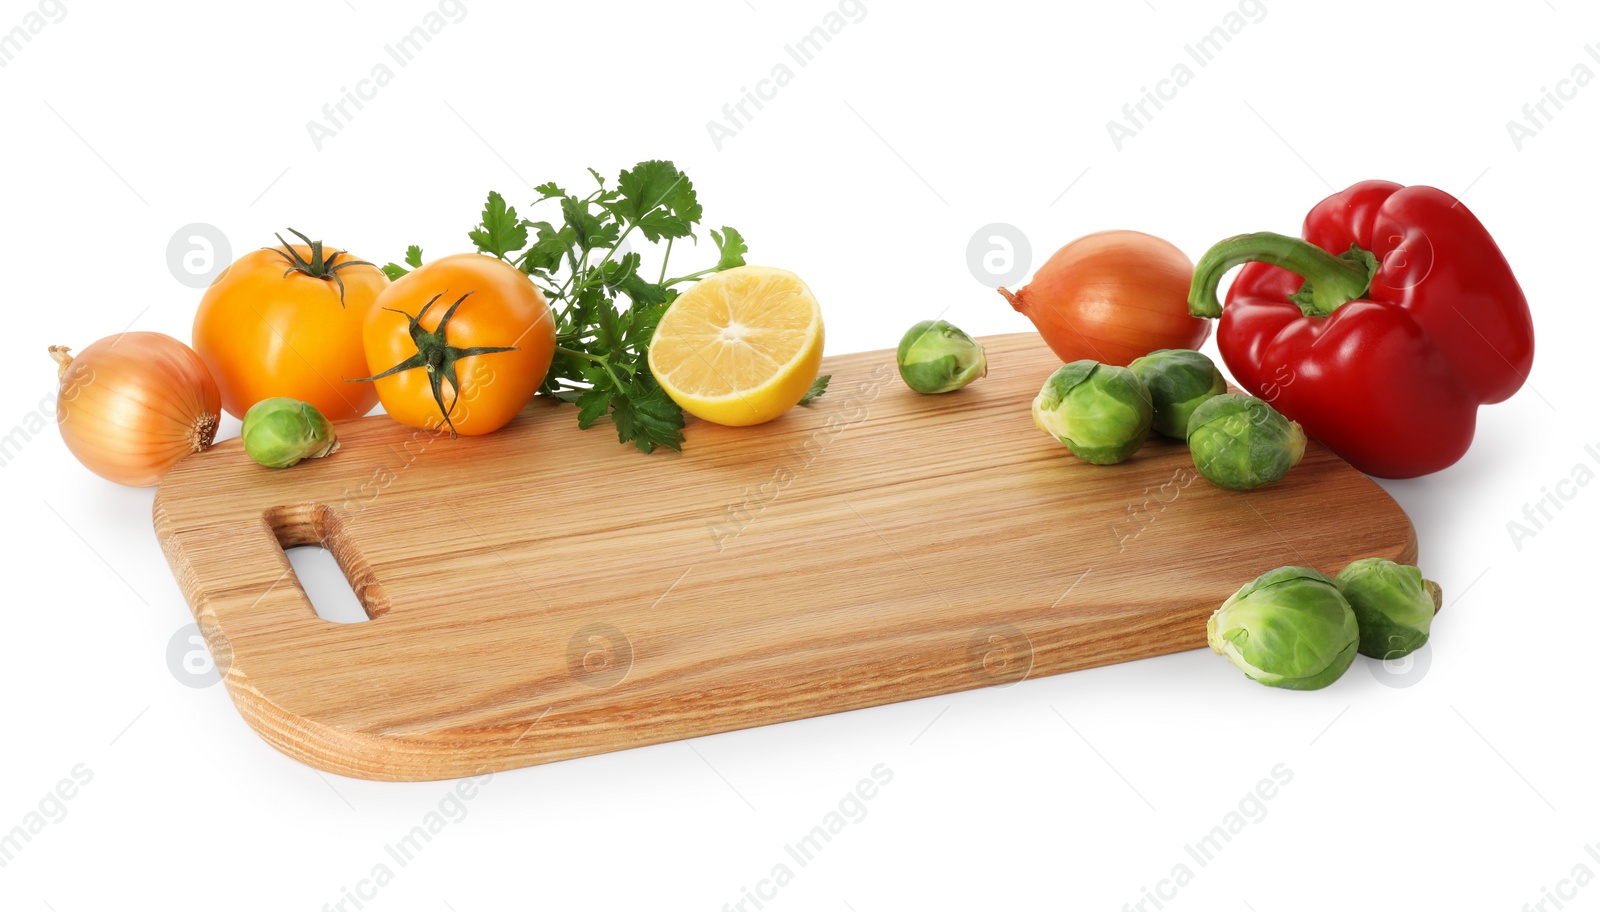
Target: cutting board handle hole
324,584
331,571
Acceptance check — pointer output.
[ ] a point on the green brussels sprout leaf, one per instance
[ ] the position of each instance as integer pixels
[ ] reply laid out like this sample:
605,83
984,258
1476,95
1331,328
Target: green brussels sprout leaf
936,357
1288,628
1241,443
1100,412
1179,380
280,432
1393,604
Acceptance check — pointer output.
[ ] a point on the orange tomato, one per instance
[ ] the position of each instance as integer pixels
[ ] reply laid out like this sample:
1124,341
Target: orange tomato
287,321
466,333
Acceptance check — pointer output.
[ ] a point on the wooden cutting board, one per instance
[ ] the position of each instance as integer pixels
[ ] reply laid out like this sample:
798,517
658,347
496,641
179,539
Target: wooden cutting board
544,593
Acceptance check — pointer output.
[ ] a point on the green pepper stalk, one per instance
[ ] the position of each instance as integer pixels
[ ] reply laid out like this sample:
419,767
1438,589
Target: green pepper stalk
1393,603
1289,628
936,357
1241,443
1330,281
280,432
1101,413
1179,380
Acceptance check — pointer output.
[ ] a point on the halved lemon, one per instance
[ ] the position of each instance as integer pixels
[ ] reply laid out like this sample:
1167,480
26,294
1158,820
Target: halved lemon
740,347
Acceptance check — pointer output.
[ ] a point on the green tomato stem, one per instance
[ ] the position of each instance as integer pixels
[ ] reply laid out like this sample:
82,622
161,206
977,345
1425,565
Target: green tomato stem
436,356
322,267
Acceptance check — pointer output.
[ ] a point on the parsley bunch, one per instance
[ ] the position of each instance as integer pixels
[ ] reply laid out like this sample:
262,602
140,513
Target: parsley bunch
605,310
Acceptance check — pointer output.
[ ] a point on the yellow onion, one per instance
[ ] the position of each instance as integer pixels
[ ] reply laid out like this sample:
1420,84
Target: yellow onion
130,406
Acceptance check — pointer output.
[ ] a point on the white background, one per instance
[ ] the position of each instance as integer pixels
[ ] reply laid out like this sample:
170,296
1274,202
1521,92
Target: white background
868,174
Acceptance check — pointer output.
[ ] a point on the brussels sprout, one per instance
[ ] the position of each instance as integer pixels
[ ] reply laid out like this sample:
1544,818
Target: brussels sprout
935,357
280,432
1102,413
1178,380
1289,628
1241,442
1393,603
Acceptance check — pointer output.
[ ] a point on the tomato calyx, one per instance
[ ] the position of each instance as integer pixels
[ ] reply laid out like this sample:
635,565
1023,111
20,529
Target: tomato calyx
321,267
436,356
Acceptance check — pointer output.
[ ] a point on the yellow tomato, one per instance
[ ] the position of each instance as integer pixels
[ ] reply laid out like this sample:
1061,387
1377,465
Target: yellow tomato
462,342
287,321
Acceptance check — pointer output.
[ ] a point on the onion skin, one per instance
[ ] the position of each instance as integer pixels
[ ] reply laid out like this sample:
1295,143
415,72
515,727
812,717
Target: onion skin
130,406
1111,297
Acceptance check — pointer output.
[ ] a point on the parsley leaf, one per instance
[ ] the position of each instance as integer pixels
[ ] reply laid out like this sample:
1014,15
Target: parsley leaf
501,232
659,199
647,417
550,246
818,387
395,270
731,246
593,404
587,229
606,306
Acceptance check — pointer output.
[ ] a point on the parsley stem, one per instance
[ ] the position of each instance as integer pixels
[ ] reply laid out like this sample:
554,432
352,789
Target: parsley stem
664,257
573,287
599,269
574,353
578,268
692,275
597,359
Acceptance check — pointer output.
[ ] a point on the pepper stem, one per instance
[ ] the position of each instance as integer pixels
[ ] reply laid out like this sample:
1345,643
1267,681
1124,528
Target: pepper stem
1330,280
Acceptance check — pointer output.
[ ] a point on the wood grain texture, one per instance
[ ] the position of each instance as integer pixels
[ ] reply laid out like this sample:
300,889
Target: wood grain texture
544,593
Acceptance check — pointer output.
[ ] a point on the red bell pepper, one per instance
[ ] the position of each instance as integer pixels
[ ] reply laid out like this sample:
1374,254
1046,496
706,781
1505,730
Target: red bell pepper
1381,332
